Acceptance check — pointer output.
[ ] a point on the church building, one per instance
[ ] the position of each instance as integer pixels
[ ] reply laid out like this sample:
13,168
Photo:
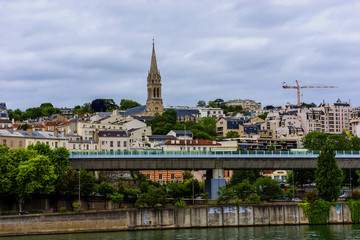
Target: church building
154,104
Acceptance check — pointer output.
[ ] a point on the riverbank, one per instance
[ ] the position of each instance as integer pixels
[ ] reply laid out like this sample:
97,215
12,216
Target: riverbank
191,217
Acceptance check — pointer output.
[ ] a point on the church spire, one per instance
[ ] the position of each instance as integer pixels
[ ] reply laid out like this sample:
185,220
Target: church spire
153,66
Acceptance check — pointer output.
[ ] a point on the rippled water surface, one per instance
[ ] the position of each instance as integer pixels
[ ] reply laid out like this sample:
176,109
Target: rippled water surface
274,232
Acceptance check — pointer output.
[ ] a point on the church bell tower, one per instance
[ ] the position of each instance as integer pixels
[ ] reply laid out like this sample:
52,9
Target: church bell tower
154,103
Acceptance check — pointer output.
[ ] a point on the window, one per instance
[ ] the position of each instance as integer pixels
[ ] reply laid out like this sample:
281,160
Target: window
148,176
172,176
56,144
125,144
160,176
118,143
95,147
102,143
20,143
111,144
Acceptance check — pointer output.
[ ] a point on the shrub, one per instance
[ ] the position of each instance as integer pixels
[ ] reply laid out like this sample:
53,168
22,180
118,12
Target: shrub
116,198
76,206
62,209
317,211
253,198
180,203
311,197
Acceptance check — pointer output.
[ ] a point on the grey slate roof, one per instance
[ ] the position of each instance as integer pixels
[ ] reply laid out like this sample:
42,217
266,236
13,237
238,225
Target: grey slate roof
135,110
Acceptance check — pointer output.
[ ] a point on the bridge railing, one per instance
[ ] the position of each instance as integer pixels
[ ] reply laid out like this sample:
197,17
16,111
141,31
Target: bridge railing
299,152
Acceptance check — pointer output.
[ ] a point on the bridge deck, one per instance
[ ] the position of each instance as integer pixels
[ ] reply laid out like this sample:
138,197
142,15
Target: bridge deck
207,161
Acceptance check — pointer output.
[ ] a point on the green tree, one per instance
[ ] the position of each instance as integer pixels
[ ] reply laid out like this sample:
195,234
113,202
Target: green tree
308,105
201,103
225,195
212,104
328,174
126,104
264,115
154,198
34,175
239,176
116,198
187,175
355,143
268,188
232,134
105,189
209,125
243,189
314,140
301,177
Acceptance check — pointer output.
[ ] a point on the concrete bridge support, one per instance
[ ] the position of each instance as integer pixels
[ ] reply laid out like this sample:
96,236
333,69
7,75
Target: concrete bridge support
214,180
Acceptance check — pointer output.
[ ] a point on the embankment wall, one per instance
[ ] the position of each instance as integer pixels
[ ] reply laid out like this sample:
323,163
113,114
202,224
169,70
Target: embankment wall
245,215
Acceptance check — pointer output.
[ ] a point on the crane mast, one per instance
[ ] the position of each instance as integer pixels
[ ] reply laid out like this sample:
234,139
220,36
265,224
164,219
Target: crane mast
298,87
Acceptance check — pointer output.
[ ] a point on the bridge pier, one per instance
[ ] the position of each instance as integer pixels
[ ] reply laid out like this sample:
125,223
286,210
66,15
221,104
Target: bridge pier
214,180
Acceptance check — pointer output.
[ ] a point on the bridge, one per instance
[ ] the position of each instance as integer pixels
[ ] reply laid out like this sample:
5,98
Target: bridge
200,160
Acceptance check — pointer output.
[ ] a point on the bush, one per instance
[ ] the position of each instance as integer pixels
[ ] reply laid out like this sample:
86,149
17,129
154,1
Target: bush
116,198
253,198
311,197
154,198
62,209
35,211
76,206
180,203
291,192
268,188
317,211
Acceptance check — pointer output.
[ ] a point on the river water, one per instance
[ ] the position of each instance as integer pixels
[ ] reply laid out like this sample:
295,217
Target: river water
274,232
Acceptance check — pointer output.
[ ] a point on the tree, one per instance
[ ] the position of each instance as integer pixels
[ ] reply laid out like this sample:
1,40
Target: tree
232,134
308,105
301,177
268,188
126,104
187,175
201,103
35,174
208,124
239,176
103,105
264,115
212,104
154,198
328,174
243,189
314,140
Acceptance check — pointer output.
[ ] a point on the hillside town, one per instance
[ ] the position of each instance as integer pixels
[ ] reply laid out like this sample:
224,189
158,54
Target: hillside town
238,124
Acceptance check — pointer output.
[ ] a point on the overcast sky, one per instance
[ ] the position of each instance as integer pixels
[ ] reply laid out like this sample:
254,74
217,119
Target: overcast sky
71,52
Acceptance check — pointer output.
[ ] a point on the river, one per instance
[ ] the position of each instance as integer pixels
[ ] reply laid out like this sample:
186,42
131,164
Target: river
348,231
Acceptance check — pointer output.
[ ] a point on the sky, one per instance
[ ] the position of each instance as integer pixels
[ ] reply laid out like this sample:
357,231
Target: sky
72,52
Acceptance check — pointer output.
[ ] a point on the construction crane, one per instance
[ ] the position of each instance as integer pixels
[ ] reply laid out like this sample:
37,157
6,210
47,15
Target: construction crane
287,86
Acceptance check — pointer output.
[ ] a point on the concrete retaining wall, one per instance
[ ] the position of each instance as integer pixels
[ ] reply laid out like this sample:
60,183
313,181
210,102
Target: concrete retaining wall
267,214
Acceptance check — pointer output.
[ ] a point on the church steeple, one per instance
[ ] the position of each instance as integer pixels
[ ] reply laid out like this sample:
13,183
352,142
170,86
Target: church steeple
154,104
153,65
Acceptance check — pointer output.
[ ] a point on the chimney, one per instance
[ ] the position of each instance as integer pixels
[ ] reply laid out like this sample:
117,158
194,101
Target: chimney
95,135
29,131
56,132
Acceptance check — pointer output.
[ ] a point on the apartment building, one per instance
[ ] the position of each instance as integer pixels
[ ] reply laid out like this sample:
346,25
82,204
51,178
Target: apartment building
246,104
22,139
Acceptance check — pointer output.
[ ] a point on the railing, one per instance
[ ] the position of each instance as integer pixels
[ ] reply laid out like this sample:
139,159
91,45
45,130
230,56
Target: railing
130,153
